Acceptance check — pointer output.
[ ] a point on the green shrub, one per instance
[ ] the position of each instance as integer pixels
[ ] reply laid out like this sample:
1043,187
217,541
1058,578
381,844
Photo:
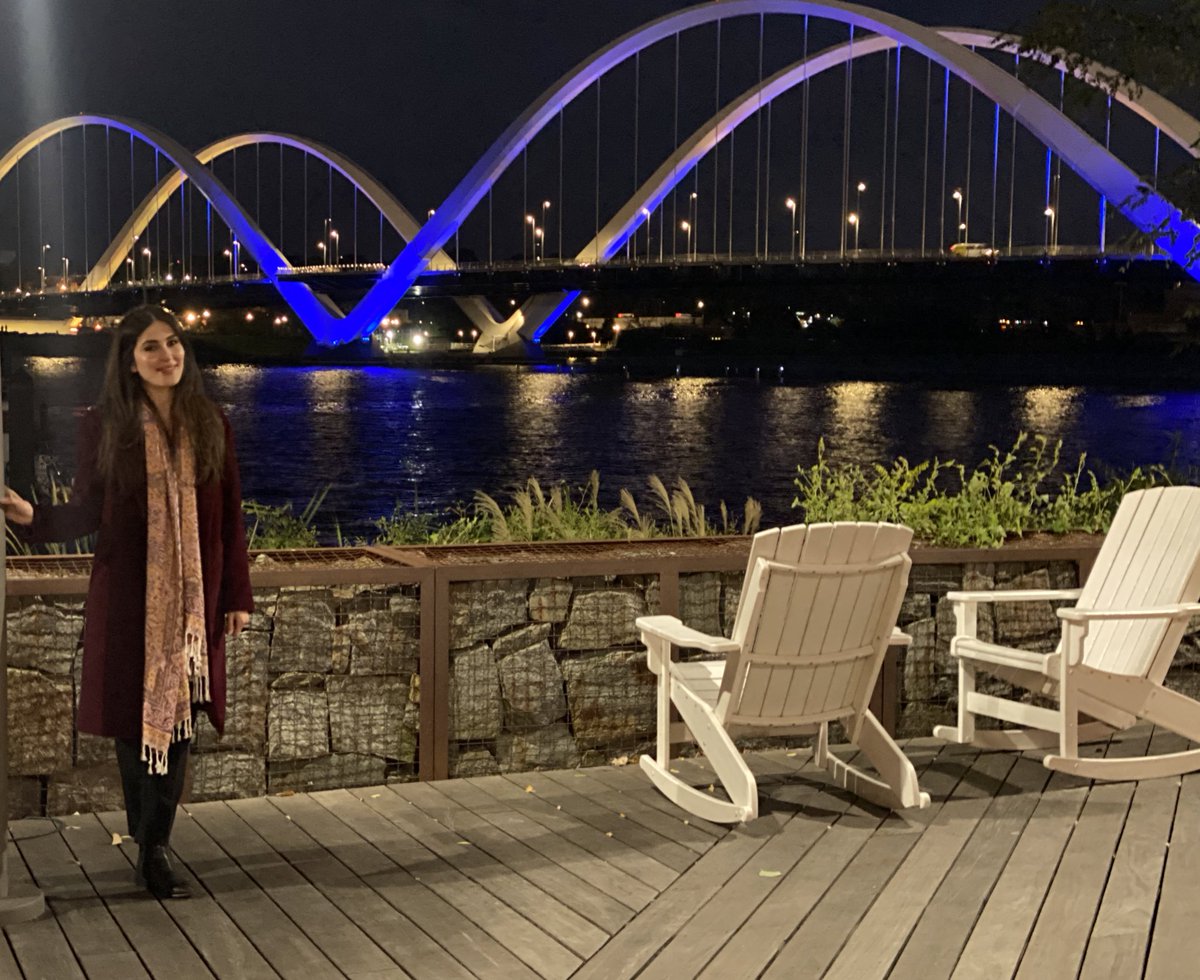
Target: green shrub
1006,495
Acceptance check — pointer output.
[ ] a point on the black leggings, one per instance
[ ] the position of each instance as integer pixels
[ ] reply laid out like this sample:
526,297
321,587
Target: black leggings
150,801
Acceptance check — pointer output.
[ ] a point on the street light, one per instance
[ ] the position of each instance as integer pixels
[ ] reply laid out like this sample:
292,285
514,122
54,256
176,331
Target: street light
790,203
146,252
545,208
42,268
228,253
862,186
1049,213
694,214
853,220
539,235
337,245
320,245
129,273
958,199
66,268
687,227
646,221
531,223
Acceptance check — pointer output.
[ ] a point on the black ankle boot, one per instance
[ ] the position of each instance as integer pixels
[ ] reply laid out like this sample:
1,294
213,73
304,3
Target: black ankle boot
157,876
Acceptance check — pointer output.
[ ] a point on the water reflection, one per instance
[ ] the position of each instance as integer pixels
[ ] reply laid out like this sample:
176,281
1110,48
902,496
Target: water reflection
382,434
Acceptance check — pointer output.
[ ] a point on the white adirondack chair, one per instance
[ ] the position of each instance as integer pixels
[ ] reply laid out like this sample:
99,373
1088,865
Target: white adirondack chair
818,610
1117,645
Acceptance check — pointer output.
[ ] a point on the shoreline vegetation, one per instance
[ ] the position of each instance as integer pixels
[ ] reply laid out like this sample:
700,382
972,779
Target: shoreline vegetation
1013,493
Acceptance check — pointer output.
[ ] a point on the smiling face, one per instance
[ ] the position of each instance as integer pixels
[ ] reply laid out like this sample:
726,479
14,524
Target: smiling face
158,357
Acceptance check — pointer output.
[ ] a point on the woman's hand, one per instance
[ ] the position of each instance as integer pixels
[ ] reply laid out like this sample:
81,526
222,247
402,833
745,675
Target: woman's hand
16,508
235,622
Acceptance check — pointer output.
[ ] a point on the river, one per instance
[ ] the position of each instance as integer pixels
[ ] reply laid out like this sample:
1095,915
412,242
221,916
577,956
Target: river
430,438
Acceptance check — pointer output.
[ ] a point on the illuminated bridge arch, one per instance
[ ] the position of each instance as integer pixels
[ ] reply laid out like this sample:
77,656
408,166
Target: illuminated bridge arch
1173,121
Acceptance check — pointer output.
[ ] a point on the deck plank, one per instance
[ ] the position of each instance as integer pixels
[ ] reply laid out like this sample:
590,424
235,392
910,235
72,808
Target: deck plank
818,940
282,944
631,781
605,913
346,946
40,947
97,941
633,862
1120,937
945,924
386,924
626,891
673,857
1060,936
164,949
1175,943
384,858
536,927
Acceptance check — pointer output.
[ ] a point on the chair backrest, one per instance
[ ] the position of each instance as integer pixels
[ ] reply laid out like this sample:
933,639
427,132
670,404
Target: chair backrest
1150,557
818,607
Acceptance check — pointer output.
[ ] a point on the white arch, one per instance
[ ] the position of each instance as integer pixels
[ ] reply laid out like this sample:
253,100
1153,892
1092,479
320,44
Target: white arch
1173,121
311,307
1107,174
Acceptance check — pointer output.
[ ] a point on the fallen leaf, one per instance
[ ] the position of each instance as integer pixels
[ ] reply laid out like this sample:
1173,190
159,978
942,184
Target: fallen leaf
791,755
608,833
376,796
529,789
676,771
769,874
116,840
621,760
286,792
621,815
558,806
711,788
467,842
687,823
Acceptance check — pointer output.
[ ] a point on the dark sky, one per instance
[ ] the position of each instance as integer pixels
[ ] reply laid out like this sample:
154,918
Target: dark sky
414,91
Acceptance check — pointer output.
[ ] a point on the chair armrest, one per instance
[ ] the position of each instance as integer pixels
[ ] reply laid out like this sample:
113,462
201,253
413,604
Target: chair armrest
1177,611
1013,595
899,638
674,632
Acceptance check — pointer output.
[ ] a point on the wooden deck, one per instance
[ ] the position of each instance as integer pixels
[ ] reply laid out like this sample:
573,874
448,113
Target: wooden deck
1013,871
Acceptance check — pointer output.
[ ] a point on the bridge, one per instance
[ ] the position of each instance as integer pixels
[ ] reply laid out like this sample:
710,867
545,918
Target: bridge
863,138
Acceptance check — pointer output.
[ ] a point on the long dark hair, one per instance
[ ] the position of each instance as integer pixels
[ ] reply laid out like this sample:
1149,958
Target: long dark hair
123,396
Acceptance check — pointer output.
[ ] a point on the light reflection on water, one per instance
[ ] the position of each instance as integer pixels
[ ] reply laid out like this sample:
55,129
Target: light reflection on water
379,435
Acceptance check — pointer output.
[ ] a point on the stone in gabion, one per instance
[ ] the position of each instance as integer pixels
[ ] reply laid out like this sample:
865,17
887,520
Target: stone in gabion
550,600
24,797
303,635
653,596
915,607
551,747
227,776
935,580
700,602
610,696
382,641
246,696
297,718
483,610
43,637
366,714
602,619
731,597
922,664
1028,625
91,790
1063,574
474,695
520,639
40,722
330,772
472,762
531,685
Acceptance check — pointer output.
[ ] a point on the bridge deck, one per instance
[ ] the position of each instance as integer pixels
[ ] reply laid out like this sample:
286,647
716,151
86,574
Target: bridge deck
1013,871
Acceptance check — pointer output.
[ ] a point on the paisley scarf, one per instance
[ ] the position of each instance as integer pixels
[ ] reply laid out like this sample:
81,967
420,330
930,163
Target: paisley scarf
176,672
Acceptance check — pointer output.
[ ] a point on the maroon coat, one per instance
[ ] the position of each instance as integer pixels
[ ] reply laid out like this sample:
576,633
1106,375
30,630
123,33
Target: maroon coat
110,701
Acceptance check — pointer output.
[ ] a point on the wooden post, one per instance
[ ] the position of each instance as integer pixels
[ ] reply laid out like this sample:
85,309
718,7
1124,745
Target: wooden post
18,903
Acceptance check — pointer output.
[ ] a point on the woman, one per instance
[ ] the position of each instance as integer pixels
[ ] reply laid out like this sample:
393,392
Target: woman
157,480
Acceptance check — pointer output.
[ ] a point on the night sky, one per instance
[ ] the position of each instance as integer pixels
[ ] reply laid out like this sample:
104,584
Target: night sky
414,92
